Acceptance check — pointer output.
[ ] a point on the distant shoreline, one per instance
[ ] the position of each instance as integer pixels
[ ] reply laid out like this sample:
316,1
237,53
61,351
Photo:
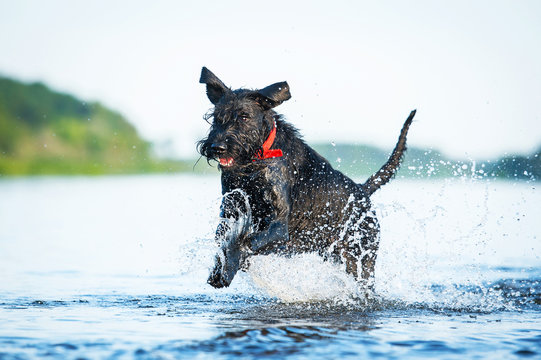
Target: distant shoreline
44,132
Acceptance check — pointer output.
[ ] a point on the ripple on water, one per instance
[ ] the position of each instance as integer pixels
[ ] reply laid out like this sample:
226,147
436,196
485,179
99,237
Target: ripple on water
429,301
259,326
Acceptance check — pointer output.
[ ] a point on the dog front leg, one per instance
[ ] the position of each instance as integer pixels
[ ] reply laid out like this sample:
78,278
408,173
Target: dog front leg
231,237
276,232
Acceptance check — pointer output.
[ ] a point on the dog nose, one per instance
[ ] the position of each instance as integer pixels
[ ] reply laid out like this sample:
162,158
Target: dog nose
219,148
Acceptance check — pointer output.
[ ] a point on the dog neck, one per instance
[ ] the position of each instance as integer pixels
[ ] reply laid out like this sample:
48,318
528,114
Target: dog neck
266,152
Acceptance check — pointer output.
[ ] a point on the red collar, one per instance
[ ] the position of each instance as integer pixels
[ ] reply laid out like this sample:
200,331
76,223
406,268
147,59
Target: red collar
266,152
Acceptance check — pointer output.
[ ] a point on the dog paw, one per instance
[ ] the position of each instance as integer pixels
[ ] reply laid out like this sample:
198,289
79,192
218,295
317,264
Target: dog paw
215,278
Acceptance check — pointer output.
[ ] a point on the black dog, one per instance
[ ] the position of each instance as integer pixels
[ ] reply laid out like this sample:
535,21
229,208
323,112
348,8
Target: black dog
279,195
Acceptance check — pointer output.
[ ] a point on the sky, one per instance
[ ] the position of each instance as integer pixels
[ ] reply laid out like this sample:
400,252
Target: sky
356,69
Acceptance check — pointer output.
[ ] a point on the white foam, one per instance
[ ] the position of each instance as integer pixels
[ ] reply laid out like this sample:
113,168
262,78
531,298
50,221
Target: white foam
304,277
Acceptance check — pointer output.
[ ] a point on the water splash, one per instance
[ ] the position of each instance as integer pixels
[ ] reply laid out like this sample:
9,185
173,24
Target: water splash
304,278
440,244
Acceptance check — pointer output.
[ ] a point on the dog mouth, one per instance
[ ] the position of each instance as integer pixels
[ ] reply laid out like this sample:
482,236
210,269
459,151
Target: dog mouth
226,162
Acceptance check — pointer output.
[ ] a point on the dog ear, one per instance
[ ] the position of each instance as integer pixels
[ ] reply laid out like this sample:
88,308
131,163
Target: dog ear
275,94
215,87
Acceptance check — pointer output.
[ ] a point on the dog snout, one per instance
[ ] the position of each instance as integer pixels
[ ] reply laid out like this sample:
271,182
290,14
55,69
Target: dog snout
219,148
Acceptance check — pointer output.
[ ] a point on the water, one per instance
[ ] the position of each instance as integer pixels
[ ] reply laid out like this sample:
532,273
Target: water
116,267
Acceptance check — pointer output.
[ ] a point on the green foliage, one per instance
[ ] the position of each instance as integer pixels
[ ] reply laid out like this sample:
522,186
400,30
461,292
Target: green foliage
519,167
46,132
360,161
35,105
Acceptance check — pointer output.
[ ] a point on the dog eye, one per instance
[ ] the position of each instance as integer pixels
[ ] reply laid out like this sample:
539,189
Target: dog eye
243,117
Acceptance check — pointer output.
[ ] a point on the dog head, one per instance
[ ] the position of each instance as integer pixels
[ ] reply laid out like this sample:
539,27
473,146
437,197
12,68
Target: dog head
241,120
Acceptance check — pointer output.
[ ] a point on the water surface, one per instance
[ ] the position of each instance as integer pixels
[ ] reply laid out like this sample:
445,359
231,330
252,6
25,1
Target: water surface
116,267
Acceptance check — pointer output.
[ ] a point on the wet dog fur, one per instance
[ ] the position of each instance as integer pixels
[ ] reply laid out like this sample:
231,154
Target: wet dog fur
291,201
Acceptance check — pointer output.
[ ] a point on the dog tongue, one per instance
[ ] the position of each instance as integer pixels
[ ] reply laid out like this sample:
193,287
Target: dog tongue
226,162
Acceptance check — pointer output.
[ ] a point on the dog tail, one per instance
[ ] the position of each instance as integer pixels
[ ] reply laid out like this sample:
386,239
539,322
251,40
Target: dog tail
390,168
